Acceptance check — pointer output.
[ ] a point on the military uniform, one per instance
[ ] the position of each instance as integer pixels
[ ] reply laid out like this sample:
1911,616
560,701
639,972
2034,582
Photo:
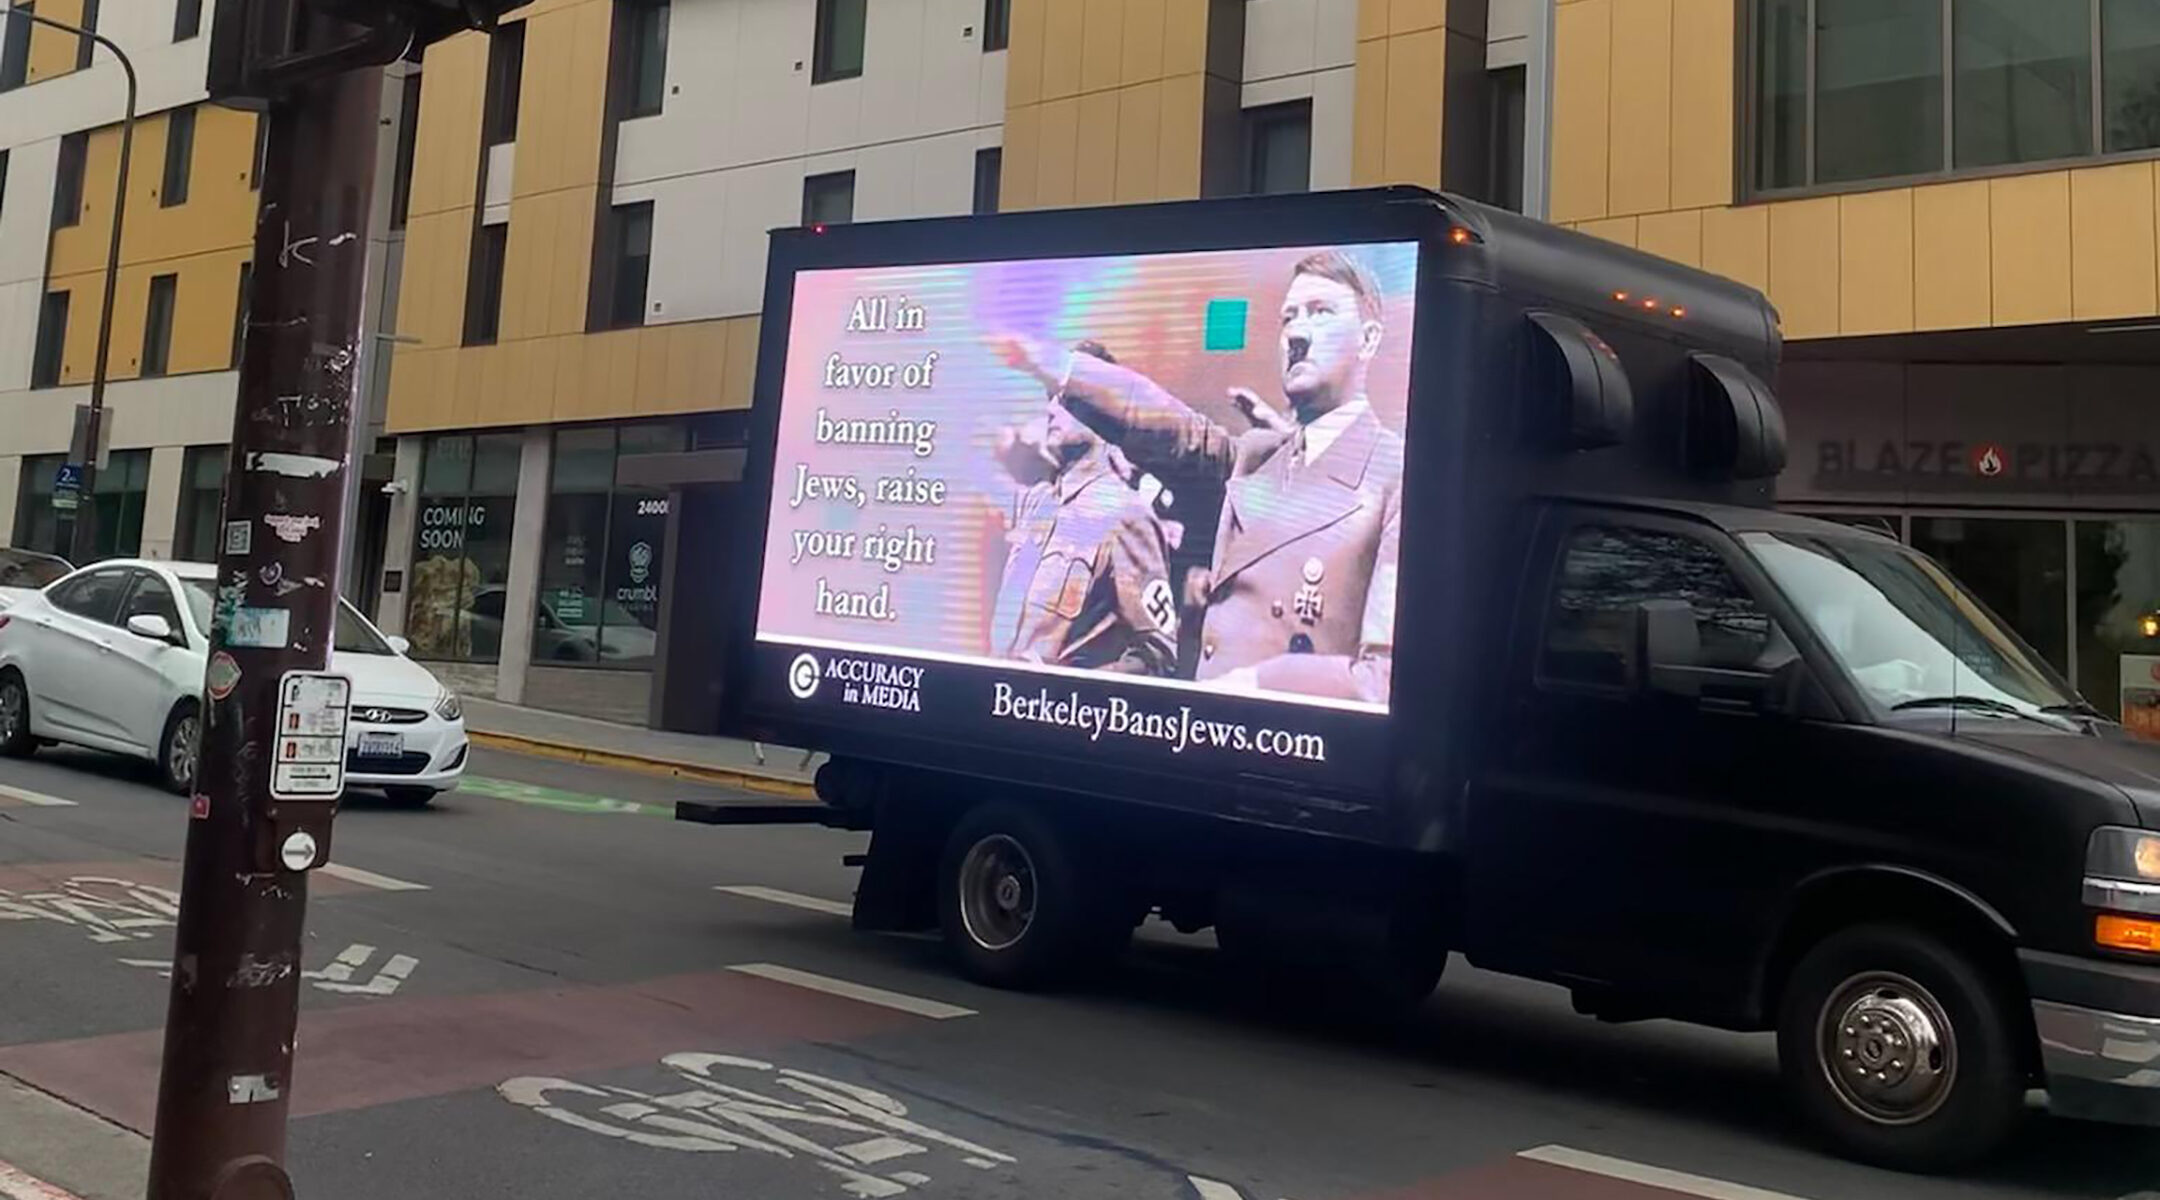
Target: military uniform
1086,582
1303,588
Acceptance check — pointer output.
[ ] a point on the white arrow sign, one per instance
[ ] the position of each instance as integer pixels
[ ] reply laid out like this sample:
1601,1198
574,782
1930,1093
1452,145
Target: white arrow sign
337,977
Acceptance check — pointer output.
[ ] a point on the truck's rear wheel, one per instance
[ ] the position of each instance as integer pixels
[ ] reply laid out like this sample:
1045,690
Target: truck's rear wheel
1018,904
1901,1050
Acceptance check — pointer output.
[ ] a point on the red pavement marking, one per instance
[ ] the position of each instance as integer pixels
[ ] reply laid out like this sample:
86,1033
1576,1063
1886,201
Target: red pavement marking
1524,1179
47,876
369,1054
21,1185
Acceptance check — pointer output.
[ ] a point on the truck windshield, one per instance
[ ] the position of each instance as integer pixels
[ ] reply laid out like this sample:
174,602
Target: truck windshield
1910,635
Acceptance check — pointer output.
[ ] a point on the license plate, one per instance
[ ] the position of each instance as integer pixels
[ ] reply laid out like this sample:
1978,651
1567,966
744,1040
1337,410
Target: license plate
381,745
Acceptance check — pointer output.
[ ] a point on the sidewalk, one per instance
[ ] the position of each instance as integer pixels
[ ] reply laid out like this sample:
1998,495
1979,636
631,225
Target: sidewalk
51,1150
773,770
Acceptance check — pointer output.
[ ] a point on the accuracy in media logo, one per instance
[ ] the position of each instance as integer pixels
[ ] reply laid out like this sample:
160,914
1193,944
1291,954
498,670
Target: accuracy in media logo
802,676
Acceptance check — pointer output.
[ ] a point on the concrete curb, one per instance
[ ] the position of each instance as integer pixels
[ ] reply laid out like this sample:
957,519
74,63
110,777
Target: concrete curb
53,1139
749,781
20,1185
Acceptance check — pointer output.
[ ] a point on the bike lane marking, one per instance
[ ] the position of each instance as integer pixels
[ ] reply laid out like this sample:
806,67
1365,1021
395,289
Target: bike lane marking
1642,1173
560,799
371,879
816,904
936,1010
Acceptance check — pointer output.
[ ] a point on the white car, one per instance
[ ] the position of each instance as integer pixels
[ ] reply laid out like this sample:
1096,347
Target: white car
24,573
112,657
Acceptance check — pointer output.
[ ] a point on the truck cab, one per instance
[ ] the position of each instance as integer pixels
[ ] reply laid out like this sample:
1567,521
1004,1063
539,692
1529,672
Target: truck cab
1767,772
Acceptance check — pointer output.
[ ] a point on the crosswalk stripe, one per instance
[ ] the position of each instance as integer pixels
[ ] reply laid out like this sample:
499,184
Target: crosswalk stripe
370,878
36,799
933,1009
794,899
1649,1176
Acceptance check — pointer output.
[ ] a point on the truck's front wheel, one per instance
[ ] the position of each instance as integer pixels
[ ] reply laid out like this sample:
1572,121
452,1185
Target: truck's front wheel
1018,904
1901,1049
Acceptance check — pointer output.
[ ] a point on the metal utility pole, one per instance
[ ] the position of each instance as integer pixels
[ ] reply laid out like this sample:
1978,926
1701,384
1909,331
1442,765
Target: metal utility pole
227,1078
82,544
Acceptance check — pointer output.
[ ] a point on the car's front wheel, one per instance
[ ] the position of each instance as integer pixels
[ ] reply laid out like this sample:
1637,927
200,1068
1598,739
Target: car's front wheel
15,739
181,748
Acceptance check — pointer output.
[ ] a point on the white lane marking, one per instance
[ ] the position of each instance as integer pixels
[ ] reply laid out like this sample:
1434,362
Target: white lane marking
337,977
933,1009
1634,1172
796,899
19,1185
1210,1189
35,799
162,966
370,878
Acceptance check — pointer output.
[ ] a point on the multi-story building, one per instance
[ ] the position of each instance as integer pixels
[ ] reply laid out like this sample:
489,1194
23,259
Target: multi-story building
1951,202
184,262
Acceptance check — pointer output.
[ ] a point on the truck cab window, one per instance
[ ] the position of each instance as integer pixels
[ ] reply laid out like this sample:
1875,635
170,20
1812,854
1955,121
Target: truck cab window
1608,571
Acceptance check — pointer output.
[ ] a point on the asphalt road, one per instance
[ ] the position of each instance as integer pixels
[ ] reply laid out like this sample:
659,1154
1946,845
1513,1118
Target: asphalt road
539,988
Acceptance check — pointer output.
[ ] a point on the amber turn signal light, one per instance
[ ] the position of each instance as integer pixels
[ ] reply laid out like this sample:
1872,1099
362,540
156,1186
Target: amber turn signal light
2127,933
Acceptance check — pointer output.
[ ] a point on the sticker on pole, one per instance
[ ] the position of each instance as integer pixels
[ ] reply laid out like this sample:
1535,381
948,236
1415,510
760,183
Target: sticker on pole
310,756
222,676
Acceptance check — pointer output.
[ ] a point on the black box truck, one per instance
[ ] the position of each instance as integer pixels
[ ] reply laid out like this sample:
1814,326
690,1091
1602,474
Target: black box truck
1374,576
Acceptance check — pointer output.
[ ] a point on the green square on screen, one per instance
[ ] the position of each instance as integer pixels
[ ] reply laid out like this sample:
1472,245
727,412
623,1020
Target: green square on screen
1225,325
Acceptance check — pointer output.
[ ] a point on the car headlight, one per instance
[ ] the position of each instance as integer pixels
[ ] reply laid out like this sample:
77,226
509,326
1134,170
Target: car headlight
2122,874
449,707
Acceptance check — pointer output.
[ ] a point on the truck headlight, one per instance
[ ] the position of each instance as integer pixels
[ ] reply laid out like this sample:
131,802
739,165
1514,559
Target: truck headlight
448,706
2122,875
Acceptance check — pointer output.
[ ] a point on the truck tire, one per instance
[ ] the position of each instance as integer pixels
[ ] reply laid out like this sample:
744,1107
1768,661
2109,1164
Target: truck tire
1017,903
1901,1050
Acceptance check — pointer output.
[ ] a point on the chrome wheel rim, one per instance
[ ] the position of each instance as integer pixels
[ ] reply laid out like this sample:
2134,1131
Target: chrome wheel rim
180,755
997,892
11,711
1888,1049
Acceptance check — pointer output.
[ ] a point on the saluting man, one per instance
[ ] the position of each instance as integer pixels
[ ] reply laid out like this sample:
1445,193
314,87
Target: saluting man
1086,580
1302,596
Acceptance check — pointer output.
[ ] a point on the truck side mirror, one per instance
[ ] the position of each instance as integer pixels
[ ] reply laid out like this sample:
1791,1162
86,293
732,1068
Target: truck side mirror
1668,645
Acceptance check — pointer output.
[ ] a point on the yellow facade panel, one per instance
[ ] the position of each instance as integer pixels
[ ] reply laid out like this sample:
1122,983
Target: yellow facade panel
571,354
2029,244
1184,37
1640,155
1582,79
710,363
446,147
742,345
543,104
617,396
412,387
679,389
1139,142
1177,162
1952,288
461,407
493,399
2111,242
1142,59
536,402
1372,19
1674,235
1702,103
1017,165
1024,52
589,396
585,116
1875,262
1057,153
1414,16
1368,145
1102,45
568,290
1624,230
1095,181
1416,82
53,51
204,311
1063,30
1804,265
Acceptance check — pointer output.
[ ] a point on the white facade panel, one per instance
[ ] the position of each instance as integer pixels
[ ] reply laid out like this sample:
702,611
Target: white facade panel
1334,127
1279,38
836,116
26,212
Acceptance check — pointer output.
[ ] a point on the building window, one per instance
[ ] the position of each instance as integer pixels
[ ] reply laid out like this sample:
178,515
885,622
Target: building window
829,199
642,71
505,83
123,484
240,313
989,169
2118,618
202,496
37,521
51,341
2020,568
68,180
1849,91
461,546
627,267
262,151
85,47
997,24
840,31
15,47
1278,148
601,557
157,326
484,284
1510,98
187,20
179,156
408,140
2130,74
